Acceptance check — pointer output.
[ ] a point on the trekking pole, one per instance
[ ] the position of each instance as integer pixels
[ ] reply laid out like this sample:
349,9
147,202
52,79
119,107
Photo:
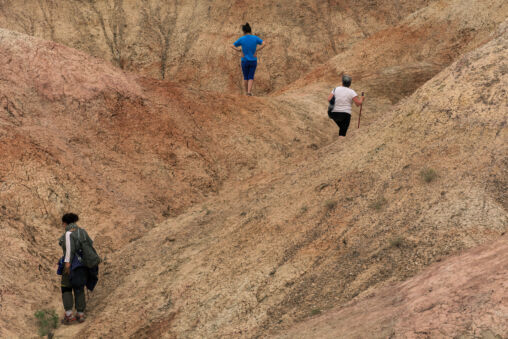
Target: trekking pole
360,115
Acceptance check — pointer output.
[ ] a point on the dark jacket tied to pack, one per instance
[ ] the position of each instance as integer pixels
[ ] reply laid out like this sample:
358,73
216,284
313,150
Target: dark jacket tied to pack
83,258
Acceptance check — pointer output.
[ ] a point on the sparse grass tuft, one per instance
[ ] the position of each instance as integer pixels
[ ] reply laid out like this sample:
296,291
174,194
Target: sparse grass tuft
167,212
304,209
428,174
47,321
397,242
378,204
330,205
315,311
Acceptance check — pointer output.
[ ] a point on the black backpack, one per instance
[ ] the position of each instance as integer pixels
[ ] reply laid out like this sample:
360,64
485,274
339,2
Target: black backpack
331,104
88,254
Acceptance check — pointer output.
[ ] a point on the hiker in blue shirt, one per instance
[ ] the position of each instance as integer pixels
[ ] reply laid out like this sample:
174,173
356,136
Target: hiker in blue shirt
249,45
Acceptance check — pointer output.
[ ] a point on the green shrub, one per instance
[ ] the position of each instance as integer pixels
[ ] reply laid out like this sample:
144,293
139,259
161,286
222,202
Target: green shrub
47,321
428,174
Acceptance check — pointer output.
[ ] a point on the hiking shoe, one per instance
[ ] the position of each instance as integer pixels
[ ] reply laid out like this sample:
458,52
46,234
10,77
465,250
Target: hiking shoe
80,317
249,94
67,320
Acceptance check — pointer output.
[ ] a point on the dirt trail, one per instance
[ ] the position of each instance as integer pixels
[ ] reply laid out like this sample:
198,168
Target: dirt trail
69,332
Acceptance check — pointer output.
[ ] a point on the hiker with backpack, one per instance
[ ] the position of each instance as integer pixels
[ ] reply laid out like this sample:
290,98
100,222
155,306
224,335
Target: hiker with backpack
248,43
341,99
78,267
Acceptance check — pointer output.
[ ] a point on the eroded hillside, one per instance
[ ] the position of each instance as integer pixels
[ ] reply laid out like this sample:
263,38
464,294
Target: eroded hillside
392,63
422,184
188,41
463,297
124,152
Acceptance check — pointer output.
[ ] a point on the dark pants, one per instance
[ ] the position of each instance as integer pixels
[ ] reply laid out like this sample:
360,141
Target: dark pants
248,69
77,286
342,120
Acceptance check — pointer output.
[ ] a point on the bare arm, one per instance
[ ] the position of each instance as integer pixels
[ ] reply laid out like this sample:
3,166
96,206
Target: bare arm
263,45
331,96
238,49
358,101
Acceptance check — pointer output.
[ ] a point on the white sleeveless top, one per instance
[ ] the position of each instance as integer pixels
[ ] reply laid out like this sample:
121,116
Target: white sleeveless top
343,99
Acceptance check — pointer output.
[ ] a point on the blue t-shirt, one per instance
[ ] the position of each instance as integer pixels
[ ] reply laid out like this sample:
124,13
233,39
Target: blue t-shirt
249,44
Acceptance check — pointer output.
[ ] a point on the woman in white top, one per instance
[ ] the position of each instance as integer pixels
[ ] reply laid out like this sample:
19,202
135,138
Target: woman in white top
344,97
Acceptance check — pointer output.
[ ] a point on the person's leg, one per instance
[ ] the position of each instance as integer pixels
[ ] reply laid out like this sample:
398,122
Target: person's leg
335,118
245,71
252,71
78,281
79,295
344,120
249,86
67,300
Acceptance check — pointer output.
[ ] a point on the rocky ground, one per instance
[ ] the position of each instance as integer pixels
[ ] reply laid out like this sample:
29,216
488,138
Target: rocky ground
234,217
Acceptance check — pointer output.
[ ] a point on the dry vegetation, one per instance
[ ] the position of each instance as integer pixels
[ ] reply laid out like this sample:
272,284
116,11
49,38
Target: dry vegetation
187,40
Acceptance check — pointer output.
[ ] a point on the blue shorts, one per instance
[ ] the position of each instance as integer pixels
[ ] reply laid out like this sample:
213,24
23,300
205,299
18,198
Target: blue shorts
248,69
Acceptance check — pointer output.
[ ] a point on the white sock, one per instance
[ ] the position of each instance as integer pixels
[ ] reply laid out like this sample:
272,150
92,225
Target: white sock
81,314
68,313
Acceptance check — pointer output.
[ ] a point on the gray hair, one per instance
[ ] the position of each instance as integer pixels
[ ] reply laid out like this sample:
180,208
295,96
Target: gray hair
346,80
